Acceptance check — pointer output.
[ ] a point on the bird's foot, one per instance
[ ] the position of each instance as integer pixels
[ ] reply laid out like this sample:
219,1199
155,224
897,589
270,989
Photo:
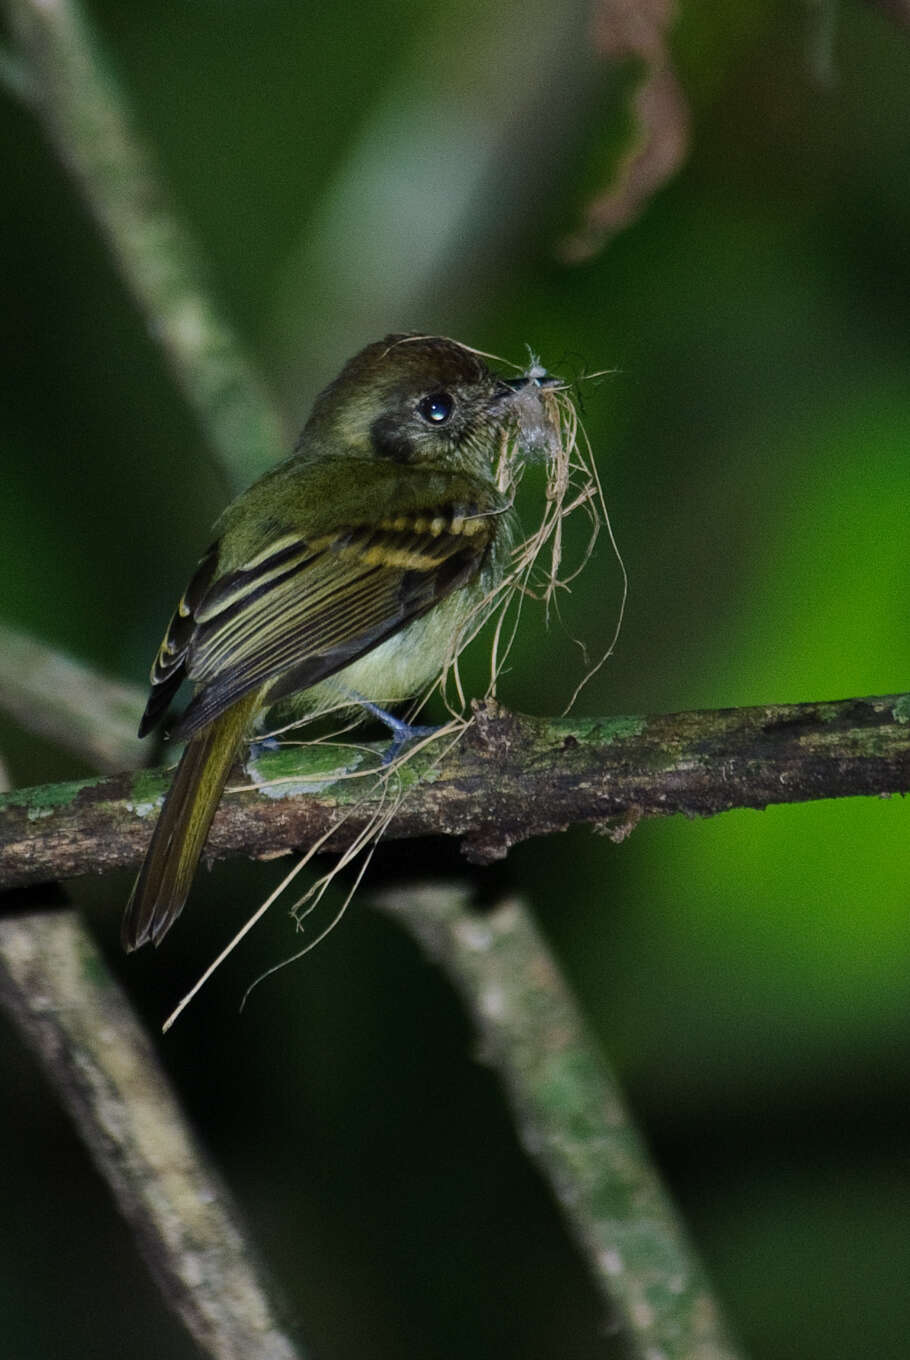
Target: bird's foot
402,733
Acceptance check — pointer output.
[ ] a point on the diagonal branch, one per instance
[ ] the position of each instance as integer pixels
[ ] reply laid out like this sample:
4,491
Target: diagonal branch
509,778
67,702
85,113
572,1118
56,987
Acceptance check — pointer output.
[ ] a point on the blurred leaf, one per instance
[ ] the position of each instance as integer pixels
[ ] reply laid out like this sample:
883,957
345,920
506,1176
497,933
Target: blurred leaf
625,30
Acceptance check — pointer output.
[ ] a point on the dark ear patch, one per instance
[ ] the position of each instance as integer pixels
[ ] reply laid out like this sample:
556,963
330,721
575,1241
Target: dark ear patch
389,440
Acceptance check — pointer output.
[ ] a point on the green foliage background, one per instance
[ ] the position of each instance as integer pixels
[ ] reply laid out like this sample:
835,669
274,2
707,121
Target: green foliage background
349,172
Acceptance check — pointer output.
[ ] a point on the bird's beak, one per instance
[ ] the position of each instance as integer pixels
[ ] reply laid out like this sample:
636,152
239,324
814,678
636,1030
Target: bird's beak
538,425
507,389
538,377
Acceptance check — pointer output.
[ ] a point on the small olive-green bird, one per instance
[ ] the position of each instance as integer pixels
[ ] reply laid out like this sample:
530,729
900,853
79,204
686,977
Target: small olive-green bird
344,574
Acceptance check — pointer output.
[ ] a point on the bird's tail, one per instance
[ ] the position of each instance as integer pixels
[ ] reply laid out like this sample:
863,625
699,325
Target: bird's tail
166,876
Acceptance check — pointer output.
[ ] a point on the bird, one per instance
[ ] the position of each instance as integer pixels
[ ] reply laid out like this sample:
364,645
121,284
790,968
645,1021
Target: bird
344,577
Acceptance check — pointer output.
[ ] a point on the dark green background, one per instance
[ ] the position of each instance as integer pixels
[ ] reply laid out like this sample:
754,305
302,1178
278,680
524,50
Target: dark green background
351,171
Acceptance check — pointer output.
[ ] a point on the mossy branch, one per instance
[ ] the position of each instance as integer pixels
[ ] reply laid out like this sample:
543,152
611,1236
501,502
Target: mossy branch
509,778
572,1119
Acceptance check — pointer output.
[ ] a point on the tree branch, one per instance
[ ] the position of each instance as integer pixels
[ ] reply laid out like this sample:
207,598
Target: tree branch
66,701
85,114
572,1119
509,778
57,988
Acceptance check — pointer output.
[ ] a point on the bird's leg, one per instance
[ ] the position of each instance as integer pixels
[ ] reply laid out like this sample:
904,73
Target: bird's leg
402,732
259,744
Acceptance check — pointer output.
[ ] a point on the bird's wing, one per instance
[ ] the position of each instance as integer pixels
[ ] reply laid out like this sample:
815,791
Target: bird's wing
305,609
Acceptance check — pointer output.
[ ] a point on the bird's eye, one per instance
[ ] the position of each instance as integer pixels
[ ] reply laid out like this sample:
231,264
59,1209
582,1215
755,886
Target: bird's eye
437,407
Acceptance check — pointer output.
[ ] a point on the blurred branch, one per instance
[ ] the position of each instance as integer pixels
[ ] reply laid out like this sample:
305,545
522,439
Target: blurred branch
572,1119
508,778
55,985
468,136
53,695
60,68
